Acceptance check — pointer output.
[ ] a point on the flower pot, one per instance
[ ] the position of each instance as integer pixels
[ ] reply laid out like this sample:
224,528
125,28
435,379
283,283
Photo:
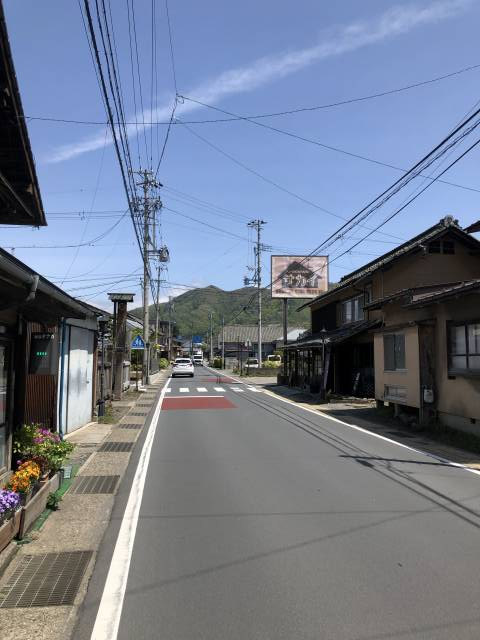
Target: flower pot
26,497
10,528
34,507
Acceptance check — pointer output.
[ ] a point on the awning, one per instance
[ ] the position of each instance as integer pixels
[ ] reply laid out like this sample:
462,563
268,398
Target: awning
334,336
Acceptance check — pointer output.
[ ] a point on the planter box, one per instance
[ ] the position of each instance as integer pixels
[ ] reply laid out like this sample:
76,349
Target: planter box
36,505
9,529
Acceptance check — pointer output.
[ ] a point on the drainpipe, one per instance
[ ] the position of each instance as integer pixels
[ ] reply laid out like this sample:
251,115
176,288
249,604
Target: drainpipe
62,376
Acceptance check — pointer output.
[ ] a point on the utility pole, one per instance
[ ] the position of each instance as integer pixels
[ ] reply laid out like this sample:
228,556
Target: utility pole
170,328
157,302
147,208
211,337
223,342
257,279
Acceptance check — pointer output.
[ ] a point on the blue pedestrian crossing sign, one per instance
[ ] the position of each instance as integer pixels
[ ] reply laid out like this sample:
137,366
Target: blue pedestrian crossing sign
138,343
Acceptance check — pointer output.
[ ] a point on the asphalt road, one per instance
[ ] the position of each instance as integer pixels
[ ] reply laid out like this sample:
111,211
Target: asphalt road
266,522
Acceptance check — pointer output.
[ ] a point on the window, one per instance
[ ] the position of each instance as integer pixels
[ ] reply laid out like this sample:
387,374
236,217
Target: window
352,310
446,247
394,352
464,347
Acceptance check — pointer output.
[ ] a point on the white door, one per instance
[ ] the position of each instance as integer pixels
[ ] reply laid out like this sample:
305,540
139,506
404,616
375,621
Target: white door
80,372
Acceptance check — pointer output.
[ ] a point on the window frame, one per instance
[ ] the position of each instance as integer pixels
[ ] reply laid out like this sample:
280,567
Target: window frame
362,300
467,371
395,368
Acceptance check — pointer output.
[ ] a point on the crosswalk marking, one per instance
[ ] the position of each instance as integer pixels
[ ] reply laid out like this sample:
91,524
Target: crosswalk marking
235,388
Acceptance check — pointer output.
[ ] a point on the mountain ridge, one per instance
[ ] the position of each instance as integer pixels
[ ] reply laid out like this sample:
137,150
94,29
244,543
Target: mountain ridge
191,310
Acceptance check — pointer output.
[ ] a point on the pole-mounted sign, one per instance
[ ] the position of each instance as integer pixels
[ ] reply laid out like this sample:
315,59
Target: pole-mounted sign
138,343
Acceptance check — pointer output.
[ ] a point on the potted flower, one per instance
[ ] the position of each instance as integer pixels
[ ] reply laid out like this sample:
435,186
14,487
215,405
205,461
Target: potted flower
47,449
24,479
9,503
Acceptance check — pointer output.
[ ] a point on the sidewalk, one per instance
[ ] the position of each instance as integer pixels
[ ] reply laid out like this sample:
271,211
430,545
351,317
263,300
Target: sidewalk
363,413
53,566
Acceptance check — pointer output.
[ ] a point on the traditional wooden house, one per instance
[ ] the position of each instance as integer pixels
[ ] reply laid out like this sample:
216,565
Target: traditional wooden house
339,354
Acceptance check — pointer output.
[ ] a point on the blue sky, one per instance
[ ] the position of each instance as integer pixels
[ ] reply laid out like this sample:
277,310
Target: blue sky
247,58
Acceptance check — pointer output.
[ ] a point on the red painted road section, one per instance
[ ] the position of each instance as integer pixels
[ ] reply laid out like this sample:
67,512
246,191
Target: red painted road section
185,404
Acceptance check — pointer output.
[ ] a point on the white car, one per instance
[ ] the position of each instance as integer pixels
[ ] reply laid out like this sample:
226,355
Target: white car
183,367
198,359
252,363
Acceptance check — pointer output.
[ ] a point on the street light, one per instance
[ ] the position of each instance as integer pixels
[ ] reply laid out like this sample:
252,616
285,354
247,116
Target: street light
324,341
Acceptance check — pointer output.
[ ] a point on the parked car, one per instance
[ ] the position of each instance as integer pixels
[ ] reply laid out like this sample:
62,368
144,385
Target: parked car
252,363
183,367
275,358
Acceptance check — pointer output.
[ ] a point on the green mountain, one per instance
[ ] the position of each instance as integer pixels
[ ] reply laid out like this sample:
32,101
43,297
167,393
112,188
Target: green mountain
191,310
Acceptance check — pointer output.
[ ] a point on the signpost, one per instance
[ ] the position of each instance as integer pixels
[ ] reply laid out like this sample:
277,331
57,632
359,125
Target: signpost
137,345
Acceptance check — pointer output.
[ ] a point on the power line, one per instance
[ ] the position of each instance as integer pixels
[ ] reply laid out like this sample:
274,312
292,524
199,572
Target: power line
317,143
264,178
97,183
329,105
126,174
80,244
172,57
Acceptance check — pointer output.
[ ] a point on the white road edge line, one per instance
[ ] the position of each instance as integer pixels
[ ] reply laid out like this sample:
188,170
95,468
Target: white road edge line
458,465
111,604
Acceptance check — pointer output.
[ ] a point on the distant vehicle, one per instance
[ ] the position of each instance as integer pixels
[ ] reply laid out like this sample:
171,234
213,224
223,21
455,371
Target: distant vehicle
183,367
198,358
252,363
275,359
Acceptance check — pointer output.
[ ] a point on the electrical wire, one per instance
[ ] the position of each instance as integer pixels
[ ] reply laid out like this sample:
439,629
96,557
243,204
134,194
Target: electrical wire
329,105
172,56
265,179
322,145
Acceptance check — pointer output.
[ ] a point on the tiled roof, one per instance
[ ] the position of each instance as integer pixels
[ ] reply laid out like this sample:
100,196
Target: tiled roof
245,332
420,299
335,335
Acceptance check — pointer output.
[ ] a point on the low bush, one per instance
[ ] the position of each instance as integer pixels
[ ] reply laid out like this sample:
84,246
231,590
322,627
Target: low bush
217,363
271,364
163,363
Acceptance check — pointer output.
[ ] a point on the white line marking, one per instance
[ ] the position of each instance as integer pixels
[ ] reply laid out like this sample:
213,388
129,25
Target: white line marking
192,396
237,389
458,465
218,389
254,389
168,390
111,604
184,389
202,389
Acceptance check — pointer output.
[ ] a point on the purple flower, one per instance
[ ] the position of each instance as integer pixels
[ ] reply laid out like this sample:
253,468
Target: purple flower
9,501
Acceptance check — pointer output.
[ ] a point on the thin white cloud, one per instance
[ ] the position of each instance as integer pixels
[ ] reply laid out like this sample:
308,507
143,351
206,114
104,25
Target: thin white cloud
341,40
